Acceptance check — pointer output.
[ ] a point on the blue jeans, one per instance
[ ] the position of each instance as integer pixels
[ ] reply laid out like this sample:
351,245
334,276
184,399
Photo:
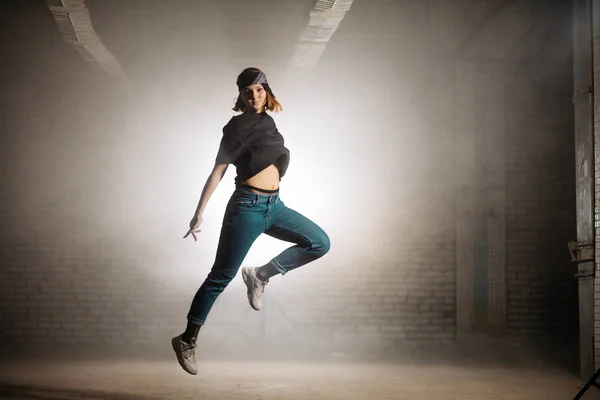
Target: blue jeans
247,216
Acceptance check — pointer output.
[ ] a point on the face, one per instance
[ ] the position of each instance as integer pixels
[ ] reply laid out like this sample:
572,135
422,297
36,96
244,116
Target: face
254,97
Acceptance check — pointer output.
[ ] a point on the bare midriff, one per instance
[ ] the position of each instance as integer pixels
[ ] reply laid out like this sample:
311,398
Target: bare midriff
267,179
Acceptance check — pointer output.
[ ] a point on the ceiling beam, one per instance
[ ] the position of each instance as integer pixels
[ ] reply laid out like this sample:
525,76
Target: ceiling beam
73,20
324,19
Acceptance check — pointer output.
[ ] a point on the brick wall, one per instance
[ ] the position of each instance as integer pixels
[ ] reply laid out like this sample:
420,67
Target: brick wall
91,249
595,8
71,278
541,204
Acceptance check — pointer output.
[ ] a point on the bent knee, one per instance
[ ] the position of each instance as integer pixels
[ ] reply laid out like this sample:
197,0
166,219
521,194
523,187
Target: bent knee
322,244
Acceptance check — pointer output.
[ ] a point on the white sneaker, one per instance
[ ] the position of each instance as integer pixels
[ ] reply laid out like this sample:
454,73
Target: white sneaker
185,353
255,285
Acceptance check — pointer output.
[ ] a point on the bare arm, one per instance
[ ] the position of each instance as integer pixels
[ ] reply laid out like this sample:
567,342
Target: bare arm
211,184
209,187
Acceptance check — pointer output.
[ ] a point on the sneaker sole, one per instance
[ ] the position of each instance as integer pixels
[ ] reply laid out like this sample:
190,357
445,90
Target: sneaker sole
174,343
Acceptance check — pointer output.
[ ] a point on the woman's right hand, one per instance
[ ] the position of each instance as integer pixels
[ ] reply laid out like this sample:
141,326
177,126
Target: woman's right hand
194,225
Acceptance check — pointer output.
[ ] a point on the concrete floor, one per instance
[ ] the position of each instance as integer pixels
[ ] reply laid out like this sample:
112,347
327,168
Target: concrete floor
128,380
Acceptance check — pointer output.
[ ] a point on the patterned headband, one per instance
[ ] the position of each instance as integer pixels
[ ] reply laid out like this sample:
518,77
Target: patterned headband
260,78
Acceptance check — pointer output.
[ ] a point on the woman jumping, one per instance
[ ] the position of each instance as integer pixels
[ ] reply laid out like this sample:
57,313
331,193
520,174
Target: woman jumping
253,144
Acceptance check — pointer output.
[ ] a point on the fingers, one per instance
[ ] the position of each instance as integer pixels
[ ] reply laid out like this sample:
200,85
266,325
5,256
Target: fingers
193,232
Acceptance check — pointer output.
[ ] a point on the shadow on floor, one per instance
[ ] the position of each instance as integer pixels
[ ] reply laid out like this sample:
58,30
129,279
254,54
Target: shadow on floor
22,392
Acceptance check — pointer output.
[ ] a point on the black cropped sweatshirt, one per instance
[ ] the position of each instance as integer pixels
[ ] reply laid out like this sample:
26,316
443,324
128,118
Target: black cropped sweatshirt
252,142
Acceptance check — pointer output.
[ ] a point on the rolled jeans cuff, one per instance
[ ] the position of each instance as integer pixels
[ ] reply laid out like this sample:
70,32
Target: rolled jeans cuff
194,320
278,267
